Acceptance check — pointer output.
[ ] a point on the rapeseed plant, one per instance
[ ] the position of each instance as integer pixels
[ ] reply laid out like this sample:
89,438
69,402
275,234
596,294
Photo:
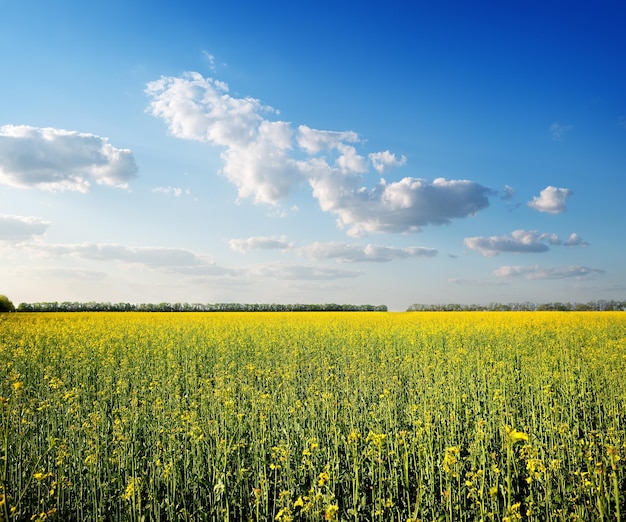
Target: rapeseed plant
313,416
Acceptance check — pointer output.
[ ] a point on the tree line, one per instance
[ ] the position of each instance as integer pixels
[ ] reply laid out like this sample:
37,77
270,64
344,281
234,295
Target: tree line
67,306
591,306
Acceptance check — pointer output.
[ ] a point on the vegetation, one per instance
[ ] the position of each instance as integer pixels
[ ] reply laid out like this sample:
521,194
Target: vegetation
601,305
5,304
68,306
316,416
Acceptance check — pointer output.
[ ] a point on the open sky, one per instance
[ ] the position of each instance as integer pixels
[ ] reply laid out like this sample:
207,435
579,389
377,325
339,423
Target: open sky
321,151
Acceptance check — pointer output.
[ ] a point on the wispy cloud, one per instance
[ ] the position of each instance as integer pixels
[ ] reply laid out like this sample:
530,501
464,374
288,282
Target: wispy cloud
539,272
57,159
519,242
266,159
346,252
259,243
557,131
508,193
172,191
150,257
301,272
551,200
21,228
181,262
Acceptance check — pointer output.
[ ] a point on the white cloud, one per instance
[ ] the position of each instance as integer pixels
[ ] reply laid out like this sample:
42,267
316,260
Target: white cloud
537,272
519,242
210,59
255,155
259,243
262,168
474,282
200,109
357,253
508,193
174,259
314,141
401,206
575,240
557,131
197,267
551,200
172,191
57,159
21,228
301,272
261,159
382,161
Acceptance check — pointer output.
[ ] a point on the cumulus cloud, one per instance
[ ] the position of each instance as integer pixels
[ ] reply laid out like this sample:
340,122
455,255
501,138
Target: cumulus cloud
357,253
575,240
57,159
314,141
259,243
519,242
267,159
21,228
382,161
401,206
537,272
551,200
255,156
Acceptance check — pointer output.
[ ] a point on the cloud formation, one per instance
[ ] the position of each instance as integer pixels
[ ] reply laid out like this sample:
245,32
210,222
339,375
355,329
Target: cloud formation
557,131
301,272
357,253
21,228
173,259
551,200
184,262
259,243
537,272
401,206
519,242
266,159
57,159
172,191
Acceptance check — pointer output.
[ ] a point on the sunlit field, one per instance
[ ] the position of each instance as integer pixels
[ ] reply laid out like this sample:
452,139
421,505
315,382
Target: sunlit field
313,416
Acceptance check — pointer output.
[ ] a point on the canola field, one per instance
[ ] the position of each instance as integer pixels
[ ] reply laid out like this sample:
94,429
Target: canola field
313,416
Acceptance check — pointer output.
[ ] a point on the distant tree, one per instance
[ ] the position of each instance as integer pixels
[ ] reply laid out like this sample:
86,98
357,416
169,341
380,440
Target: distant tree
5,304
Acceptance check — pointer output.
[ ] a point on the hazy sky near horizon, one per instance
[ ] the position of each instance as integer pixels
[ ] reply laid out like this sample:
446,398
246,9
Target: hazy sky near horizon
312,152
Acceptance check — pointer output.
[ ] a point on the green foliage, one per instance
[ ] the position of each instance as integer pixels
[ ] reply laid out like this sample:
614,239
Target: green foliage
92,306
376,417
5,304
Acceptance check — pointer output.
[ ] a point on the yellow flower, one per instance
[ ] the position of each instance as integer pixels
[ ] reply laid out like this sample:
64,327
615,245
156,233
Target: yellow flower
331,512
515,436
299,502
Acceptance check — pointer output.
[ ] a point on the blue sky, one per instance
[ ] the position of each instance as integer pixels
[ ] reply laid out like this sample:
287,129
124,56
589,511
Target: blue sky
312,152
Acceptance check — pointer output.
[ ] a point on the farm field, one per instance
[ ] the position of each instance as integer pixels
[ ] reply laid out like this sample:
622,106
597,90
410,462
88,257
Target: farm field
313,416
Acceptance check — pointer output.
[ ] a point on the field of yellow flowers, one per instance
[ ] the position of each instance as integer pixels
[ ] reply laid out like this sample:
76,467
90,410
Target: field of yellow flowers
313,416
